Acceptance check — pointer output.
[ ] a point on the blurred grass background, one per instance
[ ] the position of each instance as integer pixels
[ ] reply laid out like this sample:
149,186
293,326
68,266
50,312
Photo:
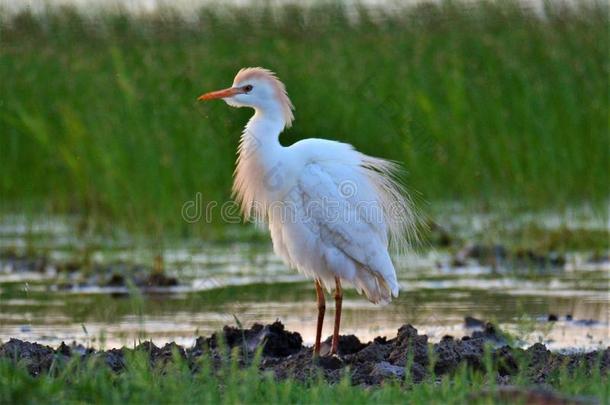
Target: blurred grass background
487,104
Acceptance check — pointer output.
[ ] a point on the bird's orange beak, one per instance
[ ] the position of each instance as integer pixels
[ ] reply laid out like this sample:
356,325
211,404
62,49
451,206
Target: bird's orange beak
231,91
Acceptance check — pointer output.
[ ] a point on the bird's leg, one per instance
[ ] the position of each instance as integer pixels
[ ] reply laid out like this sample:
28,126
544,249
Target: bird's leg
338,302
321,309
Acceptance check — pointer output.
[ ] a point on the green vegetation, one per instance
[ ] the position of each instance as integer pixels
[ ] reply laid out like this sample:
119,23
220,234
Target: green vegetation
488,103
77,382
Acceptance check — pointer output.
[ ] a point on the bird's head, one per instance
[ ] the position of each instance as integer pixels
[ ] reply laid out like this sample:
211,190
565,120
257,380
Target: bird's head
257,88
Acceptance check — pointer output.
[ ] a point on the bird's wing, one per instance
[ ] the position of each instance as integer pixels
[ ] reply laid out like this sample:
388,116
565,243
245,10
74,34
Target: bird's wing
378,184
339,203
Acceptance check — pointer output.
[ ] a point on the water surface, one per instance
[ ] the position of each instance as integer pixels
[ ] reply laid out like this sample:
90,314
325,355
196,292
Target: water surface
224,281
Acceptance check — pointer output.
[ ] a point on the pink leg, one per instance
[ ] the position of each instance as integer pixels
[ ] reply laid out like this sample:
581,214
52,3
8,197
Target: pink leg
321,309
338,303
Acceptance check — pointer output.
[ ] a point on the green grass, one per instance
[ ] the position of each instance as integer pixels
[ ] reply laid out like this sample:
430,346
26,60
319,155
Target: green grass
85,382
487,103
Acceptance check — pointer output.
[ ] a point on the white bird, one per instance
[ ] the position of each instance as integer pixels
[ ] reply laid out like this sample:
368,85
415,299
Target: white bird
332,211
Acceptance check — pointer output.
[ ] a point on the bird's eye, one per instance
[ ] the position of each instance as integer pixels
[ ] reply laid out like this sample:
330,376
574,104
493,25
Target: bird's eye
247,88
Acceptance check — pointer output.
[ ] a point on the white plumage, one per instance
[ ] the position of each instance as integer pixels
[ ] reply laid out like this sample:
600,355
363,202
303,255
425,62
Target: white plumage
332,211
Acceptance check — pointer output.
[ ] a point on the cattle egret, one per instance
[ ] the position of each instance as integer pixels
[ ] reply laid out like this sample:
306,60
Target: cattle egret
332,211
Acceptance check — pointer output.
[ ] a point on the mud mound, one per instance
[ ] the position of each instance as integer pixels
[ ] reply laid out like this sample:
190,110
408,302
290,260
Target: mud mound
37,358
407,356
275,340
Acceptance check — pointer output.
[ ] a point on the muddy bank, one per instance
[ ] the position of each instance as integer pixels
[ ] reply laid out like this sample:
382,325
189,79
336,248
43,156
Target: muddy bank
73,274
372,363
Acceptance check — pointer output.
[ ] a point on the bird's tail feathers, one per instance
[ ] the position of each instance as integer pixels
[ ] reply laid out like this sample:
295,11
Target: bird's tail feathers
402,218
374,286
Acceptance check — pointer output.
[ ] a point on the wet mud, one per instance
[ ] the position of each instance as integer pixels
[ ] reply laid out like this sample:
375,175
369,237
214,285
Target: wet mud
71,274
407,357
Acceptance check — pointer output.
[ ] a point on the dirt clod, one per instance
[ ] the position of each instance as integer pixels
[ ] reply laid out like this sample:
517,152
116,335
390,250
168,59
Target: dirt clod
37,358
348,344
472,322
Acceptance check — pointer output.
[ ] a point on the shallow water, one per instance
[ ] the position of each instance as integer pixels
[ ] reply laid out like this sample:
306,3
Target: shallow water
222,282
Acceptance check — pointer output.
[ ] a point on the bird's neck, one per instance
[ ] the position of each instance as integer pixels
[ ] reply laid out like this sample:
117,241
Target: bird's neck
259,160
261,135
